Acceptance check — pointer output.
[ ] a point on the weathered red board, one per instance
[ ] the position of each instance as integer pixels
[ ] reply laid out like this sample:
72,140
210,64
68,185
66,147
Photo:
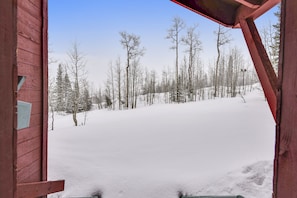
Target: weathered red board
285,173
8,79
29,57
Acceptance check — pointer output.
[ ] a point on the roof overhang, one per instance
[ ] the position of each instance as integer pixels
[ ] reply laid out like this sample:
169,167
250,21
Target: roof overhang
228,12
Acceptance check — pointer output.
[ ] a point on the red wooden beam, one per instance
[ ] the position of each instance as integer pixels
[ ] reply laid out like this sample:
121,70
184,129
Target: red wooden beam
261,61
285,163
223,12
251,4
38,189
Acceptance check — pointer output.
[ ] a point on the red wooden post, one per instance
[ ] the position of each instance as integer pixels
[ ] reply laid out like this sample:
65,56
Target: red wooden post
8,84
285,164
261,61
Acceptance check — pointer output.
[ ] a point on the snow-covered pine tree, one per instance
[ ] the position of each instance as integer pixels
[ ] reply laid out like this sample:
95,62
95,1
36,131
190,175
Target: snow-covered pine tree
68,94
276,39
59,102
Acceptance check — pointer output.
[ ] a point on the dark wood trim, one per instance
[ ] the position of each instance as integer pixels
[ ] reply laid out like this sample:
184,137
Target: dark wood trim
8,87
38,189
44,49
244,12
251,4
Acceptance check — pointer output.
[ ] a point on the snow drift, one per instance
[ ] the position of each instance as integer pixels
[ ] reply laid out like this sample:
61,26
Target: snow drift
214,147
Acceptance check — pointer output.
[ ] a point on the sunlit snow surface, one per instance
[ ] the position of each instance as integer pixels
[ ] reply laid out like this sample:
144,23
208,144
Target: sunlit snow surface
213,147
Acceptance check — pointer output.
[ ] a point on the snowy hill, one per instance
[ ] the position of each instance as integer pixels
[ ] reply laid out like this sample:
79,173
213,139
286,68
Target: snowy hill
214,147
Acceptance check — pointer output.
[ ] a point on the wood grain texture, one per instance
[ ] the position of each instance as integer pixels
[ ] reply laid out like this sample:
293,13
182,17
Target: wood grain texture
32,170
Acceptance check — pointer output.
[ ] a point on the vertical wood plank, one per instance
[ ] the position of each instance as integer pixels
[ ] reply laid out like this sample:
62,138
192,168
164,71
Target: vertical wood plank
30,64
8,84
45,88
285,172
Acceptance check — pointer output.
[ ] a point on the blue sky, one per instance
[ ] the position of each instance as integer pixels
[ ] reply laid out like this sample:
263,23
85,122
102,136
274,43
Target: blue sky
95,26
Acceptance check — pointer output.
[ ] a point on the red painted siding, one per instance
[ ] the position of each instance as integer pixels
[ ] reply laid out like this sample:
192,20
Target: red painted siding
30,64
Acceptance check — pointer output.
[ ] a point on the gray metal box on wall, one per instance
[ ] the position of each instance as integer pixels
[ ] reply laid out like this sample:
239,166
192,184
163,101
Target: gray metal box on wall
23,108
24,114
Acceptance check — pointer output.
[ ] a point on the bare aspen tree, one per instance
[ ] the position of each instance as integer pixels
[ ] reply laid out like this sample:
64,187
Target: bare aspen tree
166,84
221,39
230,75
152,87
183,80
270,36
267,40
221,77
200,81
193,45
118,82
135,81
51,91
51,99
76,66
131,43
111,81
237,64
173,35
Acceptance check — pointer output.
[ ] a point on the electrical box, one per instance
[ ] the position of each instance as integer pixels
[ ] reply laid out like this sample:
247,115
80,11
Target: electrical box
23,108
24,114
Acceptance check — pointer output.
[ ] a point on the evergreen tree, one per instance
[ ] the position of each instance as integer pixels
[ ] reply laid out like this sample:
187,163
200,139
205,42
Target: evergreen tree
108,101
276,39
68,94
60,103
85,100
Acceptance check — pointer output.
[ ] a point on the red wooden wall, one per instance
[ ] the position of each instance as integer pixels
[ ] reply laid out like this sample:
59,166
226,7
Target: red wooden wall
23,52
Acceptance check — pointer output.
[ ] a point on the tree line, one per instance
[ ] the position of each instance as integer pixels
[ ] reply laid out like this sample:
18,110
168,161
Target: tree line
129,83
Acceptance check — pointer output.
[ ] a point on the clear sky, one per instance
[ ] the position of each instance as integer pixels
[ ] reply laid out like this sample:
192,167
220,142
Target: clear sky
95,26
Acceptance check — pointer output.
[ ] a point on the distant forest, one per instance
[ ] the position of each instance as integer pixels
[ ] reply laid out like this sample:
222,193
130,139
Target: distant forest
127,81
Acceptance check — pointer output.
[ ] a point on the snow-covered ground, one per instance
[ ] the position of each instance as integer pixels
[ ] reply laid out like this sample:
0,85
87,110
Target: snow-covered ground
214,147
